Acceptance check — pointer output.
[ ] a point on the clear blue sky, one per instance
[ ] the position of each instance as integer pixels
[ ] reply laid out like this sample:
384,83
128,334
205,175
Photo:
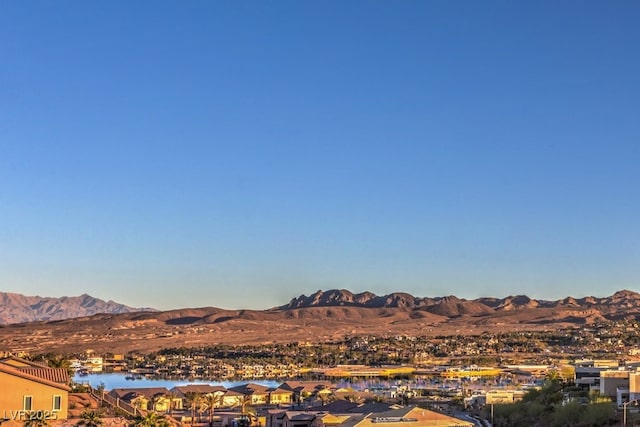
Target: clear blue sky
238,154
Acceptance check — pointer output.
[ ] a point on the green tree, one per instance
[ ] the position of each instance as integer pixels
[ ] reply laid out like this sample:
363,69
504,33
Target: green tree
598,414
545,407
568,415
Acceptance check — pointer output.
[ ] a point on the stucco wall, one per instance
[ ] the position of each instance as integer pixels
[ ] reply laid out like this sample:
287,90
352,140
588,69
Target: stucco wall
15,388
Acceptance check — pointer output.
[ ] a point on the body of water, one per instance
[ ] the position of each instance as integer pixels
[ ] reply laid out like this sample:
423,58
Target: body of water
122,380
112,381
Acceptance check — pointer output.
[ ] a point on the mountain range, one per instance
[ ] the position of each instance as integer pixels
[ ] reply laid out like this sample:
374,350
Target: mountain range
622,304
320,317
17,308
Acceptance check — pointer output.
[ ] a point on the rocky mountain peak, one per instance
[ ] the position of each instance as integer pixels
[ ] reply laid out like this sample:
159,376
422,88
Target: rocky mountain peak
624,298
626,294
329,298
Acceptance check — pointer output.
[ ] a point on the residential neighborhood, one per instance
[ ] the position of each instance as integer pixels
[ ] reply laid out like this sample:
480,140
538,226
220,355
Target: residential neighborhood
445,380
45,394
349,395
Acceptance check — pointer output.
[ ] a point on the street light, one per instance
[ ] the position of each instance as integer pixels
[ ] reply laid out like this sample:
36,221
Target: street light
624,411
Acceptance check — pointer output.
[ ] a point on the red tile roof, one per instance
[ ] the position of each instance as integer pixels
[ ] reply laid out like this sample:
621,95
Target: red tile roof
198,388
55,377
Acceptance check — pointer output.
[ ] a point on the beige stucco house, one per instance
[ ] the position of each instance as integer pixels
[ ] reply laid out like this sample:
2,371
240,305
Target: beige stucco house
32,390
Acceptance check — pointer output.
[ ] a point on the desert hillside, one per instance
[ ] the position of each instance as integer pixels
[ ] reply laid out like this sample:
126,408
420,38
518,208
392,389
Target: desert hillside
323,316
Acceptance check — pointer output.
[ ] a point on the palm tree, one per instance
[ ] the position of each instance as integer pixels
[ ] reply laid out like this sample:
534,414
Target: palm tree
60,362
324,398
152,419
248,414
195,401
554,375
156,400
90,419
211,400
245,401
141,403
171,396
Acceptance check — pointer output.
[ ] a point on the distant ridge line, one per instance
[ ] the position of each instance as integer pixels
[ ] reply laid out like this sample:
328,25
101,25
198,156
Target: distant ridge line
624,304
18,308
343,297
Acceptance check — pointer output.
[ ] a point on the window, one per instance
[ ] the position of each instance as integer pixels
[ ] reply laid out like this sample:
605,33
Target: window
27,403
57,402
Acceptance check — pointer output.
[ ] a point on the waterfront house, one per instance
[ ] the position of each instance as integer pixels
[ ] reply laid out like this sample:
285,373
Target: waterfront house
145,398
303,390
232,399
256,394
280,396
185,392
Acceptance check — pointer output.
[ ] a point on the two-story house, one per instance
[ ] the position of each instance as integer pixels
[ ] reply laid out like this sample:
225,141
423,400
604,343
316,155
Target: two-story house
33,391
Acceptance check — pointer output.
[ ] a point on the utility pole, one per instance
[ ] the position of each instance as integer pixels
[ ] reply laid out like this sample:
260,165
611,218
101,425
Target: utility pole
491,414
624,411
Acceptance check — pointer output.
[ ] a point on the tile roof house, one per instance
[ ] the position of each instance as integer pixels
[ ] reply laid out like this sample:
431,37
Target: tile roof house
184,392
280,396
202,389
147,398
256,393
33,390
233,399
305,389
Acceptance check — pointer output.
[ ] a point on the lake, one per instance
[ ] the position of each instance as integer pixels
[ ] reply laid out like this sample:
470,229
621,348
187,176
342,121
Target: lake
112,381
